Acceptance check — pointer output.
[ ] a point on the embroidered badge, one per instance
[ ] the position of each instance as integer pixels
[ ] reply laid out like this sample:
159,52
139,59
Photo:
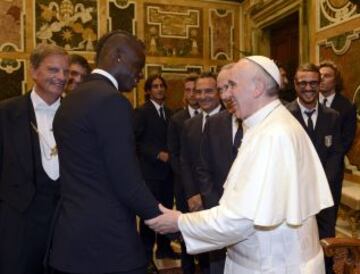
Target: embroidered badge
328,140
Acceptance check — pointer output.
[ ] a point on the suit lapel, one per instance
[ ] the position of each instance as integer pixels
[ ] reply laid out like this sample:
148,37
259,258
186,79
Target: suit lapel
20,129
298,115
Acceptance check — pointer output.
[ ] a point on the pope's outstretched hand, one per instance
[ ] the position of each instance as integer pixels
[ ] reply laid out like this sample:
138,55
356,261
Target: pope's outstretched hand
166,222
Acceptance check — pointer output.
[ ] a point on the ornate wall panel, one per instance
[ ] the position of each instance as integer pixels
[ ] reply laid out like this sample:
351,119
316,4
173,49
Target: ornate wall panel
334,12
72,24
174,76
12,78
173,30
122,15
12,25
221,22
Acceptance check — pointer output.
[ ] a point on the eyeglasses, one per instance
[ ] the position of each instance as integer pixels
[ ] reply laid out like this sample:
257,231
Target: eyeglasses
303,84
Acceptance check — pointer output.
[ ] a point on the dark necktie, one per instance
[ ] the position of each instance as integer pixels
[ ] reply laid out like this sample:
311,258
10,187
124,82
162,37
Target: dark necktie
324,102
204,122
310,124
196,112
237,139
162,113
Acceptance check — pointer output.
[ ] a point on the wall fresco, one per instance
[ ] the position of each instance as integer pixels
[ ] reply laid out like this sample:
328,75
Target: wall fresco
122,15
173,31
71,24
333,12
221,34
174,76
11,78
11,24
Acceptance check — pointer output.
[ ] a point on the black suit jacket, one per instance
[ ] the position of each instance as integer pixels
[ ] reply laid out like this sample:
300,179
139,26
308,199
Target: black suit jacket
102,187
151,138
347,112
17,186
216,157
176,125
189,154
327,144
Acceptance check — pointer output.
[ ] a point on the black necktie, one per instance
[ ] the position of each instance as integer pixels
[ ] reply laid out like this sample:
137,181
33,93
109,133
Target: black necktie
196,112
324,102
162,113
237,139
310,124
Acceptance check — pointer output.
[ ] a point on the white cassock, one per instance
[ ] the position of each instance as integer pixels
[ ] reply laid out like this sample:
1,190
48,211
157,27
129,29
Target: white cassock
266,216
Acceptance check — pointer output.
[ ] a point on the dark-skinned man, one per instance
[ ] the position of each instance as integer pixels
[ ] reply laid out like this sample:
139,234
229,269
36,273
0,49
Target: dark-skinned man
102,188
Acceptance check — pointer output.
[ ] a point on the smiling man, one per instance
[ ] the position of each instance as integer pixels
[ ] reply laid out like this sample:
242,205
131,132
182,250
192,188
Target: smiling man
323,127
29,166
265,216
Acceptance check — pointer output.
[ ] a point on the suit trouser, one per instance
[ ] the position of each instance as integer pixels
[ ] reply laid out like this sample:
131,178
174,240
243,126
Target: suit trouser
163,192
24,235
326,220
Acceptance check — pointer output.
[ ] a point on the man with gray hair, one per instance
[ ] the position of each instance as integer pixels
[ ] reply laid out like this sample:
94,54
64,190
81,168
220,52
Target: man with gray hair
29,165
266,215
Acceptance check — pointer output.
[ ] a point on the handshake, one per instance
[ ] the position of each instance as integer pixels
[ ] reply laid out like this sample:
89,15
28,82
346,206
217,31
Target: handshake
165,223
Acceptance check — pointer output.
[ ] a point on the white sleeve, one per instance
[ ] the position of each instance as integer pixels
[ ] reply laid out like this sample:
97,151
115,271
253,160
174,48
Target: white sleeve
212,229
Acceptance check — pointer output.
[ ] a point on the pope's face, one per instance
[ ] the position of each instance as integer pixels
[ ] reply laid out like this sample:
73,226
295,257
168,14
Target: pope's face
241,87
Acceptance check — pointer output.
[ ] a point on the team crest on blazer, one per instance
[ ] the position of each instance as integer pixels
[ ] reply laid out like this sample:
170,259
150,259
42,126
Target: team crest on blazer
328,140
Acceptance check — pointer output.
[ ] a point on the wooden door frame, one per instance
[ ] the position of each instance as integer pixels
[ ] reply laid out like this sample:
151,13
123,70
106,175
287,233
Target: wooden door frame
263,15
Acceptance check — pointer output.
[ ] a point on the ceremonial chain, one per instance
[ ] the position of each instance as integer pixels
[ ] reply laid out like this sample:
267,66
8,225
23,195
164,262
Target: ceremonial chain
53,150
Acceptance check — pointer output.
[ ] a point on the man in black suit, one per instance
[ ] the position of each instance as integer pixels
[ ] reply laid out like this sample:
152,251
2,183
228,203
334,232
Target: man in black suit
323,127
151,123
29,168
330,96
102,188
176,125
209,101
219,146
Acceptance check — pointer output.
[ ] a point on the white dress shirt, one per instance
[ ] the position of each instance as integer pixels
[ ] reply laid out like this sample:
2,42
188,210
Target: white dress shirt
305,116
44,114
329,99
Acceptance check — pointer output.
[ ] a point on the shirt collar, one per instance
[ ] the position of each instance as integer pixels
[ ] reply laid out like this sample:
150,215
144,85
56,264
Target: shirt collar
40,104
214,111
157,106
191,110
329,99
107,75
261,114
305,109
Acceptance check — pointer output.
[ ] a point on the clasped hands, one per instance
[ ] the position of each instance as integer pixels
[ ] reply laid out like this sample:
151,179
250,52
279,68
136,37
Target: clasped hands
165,223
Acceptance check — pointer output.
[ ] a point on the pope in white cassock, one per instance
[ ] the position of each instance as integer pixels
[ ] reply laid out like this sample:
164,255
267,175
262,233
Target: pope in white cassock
276,186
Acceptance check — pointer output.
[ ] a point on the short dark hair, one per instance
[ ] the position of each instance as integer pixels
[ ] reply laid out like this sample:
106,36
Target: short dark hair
206,74
44,50
80,60
191,78
102,41
150,80
310,67
339,84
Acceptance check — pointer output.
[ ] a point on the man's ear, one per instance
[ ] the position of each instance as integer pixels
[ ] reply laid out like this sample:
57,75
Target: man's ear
33,72
259,87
